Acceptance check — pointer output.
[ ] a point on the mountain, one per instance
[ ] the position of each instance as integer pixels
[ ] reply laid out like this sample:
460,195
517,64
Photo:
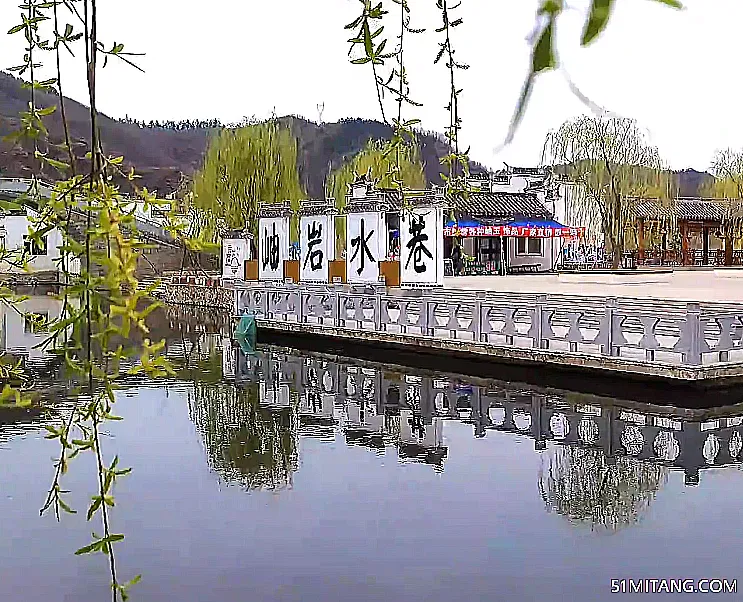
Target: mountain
692,183
163,154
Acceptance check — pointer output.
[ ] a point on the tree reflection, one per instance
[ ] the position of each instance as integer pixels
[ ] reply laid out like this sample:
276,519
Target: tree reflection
582,485
248,444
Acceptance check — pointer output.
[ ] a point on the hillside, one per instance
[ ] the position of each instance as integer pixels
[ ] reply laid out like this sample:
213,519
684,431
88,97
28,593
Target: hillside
162,154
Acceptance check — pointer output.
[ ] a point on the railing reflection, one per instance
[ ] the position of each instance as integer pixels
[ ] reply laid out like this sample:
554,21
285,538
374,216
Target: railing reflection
379,406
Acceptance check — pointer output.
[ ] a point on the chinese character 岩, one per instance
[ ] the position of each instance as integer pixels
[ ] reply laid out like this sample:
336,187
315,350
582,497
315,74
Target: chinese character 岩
314,238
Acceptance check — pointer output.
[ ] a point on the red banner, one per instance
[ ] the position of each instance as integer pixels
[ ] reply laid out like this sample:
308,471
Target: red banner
517,231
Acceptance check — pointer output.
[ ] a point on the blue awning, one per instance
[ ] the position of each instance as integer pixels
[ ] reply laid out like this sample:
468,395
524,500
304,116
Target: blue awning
536,223
463,223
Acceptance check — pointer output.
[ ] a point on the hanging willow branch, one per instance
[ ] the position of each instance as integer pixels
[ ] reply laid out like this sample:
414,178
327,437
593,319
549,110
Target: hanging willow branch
456,181
543,49
103,303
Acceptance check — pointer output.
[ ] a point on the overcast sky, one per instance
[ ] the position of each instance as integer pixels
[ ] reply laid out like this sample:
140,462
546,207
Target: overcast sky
676,72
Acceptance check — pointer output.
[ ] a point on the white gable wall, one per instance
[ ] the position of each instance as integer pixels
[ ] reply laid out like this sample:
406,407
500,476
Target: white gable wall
16,227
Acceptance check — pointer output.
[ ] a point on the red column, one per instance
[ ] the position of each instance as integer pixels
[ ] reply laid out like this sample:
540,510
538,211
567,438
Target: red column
684,243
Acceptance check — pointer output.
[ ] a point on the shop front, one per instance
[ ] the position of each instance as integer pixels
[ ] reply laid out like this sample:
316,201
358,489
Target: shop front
526,245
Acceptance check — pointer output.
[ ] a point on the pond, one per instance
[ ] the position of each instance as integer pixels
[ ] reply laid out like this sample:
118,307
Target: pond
288,476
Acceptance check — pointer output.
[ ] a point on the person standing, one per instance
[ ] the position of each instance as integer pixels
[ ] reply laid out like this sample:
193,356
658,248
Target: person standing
456,259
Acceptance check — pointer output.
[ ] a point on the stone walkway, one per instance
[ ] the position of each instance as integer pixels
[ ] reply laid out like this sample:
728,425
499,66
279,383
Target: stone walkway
724,285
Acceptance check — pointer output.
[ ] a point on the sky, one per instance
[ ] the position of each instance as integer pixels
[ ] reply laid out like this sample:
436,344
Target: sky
673,71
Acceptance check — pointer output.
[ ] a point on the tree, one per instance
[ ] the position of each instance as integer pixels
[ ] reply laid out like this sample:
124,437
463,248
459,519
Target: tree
380,161
581,485
614,166
727,188
375,160
252,164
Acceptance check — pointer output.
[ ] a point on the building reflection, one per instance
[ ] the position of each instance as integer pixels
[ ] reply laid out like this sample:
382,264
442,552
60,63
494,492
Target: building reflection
378,406
25,328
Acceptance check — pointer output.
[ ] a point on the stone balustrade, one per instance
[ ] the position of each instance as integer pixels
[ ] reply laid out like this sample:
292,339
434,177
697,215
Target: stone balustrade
646,331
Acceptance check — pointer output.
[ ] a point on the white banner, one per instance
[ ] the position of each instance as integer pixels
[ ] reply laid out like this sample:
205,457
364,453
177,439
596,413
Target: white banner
422,247
273,245
235,253
365,240
317,244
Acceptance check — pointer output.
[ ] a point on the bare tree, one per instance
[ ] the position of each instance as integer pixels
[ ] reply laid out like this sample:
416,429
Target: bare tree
727,167
613,166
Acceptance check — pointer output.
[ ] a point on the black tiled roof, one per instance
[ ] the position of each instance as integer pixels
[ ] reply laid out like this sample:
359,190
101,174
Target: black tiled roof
496,205
685,209
500,205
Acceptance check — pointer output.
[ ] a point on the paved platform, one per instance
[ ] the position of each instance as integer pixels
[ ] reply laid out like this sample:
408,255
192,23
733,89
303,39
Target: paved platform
683,285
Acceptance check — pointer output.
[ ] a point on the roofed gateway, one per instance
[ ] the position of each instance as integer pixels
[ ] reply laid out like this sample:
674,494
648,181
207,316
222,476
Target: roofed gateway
685,231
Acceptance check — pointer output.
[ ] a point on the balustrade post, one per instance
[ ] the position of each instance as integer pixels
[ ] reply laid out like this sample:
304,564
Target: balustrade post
477,315
301,318
378,312
266,303
607,328
538,319
430,328
694,335
337,310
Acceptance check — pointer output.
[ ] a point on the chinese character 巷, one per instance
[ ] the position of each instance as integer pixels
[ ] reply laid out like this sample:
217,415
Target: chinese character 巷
416,245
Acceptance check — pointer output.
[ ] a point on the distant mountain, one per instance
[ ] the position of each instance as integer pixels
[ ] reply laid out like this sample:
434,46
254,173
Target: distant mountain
164,154
693,183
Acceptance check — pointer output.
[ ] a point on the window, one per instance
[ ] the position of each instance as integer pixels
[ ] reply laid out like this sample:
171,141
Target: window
528,246
32,247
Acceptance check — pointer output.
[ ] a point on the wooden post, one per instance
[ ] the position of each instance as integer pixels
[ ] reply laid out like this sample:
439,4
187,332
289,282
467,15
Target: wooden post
641,241
684,243
705,245
728,249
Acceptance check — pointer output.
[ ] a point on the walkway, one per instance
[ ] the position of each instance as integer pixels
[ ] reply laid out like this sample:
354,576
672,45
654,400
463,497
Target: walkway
684,285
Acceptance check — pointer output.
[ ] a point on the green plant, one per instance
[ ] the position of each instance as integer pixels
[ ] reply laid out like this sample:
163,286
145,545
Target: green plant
544,56
103,303
369,28
243,167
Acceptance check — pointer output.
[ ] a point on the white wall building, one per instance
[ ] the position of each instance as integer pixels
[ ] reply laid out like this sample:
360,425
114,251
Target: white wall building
14,236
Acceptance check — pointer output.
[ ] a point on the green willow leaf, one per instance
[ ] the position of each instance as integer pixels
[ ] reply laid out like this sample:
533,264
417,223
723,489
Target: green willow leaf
598,18
543,57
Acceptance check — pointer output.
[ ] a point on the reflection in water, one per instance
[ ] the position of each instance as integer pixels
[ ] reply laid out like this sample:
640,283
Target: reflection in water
580,484
248,442
602,462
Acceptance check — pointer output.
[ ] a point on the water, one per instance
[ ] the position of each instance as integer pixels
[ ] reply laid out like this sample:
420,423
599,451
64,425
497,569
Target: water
290,476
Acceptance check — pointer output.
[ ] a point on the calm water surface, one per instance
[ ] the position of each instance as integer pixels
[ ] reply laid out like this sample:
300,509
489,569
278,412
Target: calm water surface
290,476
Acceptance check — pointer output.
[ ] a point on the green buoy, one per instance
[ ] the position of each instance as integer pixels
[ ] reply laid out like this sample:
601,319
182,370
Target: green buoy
246,334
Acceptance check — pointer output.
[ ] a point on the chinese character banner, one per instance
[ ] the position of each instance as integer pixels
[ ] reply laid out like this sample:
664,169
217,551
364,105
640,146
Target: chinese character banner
273,247
234,255
421,247
364,246
517,231
317,244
